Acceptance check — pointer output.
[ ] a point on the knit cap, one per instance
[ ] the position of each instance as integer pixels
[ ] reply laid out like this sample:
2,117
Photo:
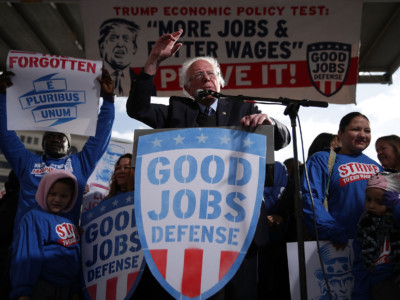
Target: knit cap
386,181
46,183
67,135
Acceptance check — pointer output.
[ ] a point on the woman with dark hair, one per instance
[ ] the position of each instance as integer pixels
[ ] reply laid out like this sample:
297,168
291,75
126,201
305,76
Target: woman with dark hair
324,141
388,151
344,186
123,178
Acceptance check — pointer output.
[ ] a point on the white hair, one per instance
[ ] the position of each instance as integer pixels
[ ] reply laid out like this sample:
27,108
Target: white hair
185,80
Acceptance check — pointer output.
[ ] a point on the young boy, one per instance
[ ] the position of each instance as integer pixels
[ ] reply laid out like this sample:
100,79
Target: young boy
46,251
377,267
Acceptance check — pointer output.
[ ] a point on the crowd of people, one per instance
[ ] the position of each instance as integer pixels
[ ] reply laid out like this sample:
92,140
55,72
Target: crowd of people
348,198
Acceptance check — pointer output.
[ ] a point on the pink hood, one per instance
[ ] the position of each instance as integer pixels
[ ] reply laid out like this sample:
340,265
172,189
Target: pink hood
47,181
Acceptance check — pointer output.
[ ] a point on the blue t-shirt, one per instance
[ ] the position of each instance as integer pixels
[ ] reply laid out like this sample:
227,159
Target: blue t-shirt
346,194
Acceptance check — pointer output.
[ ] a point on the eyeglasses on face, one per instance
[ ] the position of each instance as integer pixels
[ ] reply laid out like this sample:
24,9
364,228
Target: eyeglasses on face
202,75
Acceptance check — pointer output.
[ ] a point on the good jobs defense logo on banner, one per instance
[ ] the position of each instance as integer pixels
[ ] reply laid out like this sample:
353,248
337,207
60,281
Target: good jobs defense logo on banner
198,194
112,258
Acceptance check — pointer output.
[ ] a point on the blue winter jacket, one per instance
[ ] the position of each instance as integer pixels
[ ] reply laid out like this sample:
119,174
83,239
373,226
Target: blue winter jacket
30,167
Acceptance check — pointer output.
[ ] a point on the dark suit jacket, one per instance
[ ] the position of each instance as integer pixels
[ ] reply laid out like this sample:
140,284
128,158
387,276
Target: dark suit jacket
182,112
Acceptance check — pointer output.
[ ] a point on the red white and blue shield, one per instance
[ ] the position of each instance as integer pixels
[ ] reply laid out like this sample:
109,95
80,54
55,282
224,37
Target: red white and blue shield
198,193
328,65
112,257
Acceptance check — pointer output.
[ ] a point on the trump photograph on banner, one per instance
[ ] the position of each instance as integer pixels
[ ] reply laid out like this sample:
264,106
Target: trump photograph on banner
198,193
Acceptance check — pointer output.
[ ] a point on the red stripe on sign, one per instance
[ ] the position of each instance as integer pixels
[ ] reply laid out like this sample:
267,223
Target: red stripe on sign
131,280
92,291
111,288
328,87
191,278
226,261
160,259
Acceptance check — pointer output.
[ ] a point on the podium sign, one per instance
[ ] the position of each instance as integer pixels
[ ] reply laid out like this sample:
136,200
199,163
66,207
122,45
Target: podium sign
198,193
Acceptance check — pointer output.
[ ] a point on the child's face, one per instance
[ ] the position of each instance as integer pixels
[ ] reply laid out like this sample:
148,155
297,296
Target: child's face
373,201
58,198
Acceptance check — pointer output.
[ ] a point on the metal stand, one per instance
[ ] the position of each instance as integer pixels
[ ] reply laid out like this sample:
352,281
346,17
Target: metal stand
292,108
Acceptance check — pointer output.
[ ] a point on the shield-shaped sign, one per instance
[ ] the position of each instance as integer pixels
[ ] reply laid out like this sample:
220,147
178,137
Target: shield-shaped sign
328,64
112,257
198,194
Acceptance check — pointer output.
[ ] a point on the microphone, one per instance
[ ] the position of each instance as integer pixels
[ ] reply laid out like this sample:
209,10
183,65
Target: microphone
204,93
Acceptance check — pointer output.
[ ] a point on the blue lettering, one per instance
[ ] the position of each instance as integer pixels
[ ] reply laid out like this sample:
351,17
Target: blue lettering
164,207
91,233
220,232
169,231
89,263
125,220
50,85
207,233
230,201
205,169
106,226
233,171
156,234
127,263
191,204
214,204
120,265
112,267
135,261
90,275
178,167
134,238
181,231
105,249
151,171
193,232
232,235
120,244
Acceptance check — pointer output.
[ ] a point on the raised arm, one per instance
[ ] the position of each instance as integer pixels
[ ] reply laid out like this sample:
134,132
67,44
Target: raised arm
164,48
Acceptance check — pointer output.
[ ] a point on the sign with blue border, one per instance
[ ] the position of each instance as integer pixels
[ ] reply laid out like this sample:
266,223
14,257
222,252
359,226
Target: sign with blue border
112,257
198,193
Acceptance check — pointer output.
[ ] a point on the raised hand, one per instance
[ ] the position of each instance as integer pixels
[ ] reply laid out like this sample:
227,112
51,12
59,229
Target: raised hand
165,47
5,81
106,83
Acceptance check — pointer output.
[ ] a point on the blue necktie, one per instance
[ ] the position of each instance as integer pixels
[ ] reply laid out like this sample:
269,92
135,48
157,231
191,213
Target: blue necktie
208,111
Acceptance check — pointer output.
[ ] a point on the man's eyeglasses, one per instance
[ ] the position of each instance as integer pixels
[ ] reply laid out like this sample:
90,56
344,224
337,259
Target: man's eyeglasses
202,75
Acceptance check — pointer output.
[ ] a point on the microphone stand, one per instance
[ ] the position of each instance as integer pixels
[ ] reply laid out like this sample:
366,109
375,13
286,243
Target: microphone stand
292,108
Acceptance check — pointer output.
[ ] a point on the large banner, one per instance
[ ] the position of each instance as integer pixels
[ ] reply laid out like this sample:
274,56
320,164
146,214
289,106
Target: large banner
53,93
299,49
198,194
338,271
112,258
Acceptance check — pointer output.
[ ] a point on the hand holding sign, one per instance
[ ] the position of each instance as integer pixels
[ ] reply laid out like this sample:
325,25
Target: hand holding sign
106,83
5,81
